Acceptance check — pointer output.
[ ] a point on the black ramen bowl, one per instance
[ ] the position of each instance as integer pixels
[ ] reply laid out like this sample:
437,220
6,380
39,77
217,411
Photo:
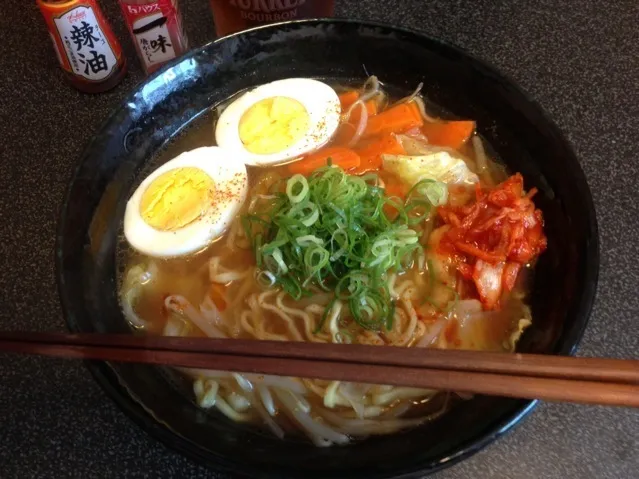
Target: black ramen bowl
520,134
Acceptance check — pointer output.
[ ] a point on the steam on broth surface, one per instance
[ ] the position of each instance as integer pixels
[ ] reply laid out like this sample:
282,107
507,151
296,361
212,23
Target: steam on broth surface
399,231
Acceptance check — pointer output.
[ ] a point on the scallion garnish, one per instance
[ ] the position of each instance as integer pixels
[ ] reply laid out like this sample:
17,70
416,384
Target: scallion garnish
330,232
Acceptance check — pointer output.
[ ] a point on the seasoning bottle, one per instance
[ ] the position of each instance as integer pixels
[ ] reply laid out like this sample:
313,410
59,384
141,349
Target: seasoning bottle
156,29
235,15
87,50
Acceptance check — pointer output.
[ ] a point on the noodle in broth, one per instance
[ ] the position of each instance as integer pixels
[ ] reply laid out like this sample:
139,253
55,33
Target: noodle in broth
222,292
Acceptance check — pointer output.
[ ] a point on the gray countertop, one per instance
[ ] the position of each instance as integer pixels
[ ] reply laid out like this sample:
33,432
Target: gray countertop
577,58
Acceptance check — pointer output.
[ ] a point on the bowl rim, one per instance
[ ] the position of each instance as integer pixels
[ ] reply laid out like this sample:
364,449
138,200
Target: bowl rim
106,377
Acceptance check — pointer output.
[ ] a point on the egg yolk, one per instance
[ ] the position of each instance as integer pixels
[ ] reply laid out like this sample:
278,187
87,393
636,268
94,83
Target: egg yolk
176,198
273,124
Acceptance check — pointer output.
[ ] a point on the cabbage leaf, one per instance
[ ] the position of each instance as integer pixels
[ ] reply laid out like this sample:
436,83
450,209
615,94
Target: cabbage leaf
439,165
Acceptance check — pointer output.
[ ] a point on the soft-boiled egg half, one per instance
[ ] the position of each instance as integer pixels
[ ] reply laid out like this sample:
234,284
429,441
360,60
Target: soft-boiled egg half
187,203
279,121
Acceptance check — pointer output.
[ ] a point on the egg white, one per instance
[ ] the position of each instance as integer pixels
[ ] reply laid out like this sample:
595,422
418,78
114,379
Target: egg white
228,174
319,99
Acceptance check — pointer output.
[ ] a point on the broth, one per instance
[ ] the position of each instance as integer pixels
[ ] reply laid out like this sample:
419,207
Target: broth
434,307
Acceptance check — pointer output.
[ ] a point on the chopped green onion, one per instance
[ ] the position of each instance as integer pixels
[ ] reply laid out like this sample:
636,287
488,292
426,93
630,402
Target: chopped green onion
325,314
344,334
265,278
277,257
308,239
291,185
437,193
315,258
330,232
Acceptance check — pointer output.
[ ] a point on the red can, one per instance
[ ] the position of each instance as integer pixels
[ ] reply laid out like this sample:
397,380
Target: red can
156,30
84,43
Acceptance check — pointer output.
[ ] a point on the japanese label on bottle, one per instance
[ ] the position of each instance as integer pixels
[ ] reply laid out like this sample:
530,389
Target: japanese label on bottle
156,28
153,39
85,45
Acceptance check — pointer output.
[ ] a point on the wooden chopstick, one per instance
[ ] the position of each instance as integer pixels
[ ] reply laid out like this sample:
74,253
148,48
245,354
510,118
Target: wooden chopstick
553,378
596,369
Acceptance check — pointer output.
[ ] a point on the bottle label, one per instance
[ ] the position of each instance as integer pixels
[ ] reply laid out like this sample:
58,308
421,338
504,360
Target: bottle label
86,47
267,10
156,29
154,40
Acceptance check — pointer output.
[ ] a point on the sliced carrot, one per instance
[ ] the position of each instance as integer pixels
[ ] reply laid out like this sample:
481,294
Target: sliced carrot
340,156
346,129
395,188
371,153
452,134
347,98
396,119
217,292
344,134
371,109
